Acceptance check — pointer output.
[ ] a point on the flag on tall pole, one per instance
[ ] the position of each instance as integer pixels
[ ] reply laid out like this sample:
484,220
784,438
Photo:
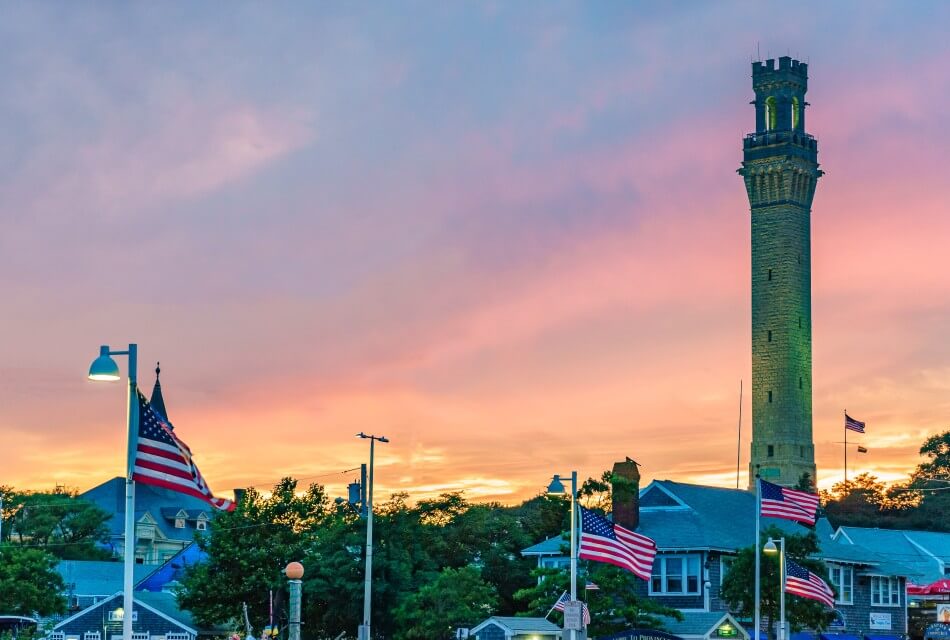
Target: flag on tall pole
852,424
162,459
788,504
802,582
603,541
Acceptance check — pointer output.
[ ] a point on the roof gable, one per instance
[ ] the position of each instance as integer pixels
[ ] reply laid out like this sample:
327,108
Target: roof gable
657,496
116,600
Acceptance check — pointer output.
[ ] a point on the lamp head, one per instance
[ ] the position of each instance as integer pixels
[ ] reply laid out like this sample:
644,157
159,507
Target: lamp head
770,547
104,367
294,571
556,487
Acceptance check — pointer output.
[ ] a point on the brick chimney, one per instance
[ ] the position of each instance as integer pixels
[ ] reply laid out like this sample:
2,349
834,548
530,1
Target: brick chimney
625,484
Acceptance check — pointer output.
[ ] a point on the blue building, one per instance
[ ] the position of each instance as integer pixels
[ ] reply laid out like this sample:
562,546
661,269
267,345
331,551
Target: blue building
699,530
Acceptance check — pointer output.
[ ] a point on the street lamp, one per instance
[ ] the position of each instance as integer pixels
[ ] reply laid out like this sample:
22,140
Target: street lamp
557,488
364,630
771,548
104,368
294,572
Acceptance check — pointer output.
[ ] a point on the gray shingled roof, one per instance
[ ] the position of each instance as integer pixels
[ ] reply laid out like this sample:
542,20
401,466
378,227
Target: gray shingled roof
696,623
913,549
551,546
110,495
97,578
525,625
724,519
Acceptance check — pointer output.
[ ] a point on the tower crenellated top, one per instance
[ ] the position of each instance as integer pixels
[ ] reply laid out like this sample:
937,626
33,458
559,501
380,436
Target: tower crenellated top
788,70
780,94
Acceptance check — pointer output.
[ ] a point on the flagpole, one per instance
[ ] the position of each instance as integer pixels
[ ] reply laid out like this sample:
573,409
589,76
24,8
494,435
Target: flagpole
758,584
573,543
129,550
845,449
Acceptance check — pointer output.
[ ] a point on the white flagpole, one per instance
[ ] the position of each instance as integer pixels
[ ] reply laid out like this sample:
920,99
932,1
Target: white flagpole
758,585
128,583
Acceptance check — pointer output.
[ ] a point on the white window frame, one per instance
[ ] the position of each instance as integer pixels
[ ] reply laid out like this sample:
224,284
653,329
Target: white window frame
179,523
836,573
891,586
201,525
659,565
724,566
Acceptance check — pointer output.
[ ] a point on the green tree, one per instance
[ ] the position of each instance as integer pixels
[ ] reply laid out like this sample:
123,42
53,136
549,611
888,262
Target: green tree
29,582
456,598
738,586
58,521
248,550
617,606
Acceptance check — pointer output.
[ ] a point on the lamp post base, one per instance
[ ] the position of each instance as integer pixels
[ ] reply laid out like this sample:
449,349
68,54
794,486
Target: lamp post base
363,632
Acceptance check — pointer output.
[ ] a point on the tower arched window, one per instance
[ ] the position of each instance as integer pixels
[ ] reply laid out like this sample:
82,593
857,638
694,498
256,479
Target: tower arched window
770,113
795,112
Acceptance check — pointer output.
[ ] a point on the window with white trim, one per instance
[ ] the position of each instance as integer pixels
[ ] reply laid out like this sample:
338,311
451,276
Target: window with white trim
725,564
885,592
179,523
201,525
842,578
676,575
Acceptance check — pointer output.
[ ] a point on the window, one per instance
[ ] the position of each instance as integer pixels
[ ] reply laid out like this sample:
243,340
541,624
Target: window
770,335
770,275
799,322
799,382
842,578
676,575
885,592
801,451
179,523
771,453
201,525
795,112
725,564
770,395
770,113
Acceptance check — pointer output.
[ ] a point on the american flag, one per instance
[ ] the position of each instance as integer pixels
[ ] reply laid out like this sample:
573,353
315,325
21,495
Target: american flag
591,586
603,541
563,600
789,504
854,425
163,460
802,582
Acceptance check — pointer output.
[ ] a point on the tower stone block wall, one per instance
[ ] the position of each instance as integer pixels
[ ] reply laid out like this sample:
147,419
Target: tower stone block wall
780,170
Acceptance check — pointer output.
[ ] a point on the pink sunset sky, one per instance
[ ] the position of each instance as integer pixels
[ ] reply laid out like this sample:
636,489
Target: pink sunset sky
508,236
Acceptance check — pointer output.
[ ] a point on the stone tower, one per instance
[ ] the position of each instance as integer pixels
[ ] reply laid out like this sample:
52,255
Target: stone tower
780,169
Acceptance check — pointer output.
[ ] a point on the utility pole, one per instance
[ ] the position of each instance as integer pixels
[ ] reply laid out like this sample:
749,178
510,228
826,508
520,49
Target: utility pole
364,630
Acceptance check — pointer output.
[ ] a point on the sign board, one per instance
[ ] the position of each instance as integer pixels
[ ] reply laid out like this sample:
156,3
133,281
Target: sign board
838,621
938,631
640,634
880,621
769,472
574,614
943,613
726,630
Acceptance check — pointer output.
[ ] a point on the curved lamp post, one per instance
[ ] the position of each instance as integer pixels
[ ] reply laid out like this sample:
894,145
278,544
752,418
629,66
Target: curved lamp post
557,488
104,368
780,549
